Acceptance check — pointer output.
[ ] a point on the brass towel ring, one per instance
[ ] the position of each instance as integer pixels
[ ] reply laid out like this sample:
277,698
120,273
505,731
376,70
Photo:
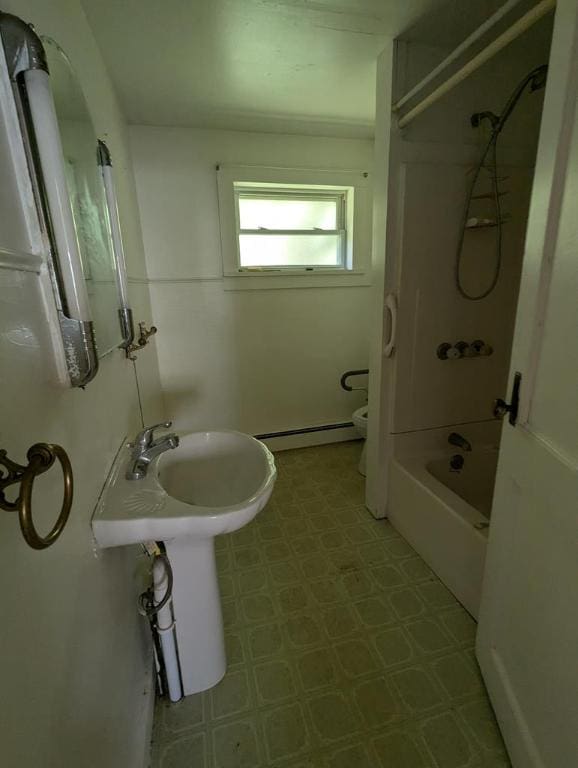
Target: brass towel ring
41,457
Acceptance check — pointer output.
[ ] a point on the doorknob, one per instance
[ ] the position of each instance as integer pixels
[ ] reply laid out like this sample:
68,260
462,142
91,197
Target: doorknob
501,407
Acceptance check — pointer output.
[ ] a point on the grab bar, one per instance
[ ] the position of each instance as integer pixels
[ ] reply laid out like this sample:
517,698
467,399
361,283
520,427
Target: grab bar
347,374
391,306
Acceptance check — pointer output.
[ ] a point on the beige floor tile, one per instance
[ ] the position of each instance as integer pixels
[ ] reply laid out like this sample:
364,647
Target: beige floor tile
252,580
356,657
332,717
265,641
354,756
185,714
231,696
258,607
275,682
400,749
480,719
235,745
374,611
188,751
316,566
339,621
377,703
317,669
286,733
446,741
406,603
394,647
457,676
357,584
387,576
459,624
416,570
303,631
416,689
428,635
284,573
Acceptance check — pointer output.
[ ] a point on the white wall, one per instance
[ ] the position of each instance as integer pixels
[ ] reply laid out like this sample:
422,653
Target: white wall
74,654
256,360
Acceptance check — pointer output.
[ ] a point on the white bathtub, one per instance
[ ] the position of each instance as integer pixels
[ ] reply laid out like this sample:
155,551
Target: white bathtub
445,515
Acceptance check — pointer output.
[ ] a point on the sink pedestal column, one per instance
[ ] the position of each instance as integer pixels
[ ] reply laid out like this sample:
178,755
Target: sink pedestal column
197,611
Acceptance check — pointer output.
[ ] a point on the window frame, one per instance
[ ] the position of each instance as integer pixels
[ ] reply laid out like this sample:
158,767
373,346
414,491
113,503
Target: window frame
355,269
305,193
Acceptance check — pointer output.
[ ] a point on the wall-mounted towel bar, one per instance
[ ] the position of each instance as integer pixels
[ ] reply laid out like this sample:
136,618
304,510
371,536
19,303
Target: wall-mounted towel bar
41,457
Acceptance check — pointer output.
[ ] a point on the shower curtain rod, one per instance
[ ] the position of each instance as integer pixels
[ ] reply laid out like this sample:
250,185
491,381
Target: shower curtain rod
457,52
518,27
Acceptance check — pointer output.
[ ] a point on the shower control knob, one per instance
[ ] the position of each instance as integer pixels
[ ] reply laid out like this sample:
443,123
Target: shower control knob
453,353
445,351
481,348
464,349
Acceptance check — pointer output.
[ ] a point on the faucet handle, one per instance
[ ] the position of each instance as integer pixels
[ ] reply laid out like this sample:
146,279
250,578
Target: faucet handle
145,437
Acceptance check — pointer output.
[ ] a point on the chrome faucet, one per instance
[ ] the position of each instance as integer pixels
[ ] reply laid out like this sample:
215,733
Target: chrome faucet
459,441
145,449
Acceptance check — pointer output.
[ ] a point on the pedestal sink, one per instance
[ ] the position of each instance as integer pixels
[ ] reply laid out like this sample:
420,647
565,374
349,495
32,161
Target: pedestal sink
213,483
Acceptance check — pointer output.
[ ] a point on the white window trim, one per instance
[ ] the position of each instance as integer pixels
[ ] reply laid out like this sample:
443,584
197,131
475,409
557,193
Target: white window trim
357,251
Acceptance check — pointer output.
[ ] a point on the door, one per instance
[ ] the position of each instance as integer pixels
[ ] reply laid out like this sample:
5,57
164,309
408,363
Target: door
527,642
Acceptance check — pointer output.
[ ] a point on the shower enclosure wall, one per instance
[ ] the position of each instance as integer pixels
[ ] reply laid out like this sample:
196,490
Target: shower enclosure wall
452,354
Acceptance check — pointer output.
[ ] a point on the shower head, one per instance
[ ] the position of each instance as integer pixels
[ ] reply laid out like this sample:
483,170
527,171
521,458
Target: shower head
538,78
477,117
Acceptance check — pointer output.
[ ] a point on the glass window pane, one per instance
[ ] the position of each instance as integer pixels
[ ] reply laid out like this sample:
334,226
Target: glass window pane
255,213
289,250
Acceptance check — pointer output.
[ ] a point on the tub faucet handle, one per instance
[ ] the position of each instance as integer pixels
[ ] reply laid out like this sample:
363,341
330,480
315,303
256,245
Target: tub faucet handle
460,441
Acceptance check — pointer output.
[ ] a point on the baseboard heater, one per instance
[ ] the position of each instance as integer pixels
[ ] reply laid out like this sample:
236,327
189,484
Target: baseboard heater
305,430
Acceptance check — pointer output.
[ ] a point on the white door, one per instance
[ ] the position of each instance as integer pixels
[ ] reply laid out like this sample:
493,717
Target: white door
528,630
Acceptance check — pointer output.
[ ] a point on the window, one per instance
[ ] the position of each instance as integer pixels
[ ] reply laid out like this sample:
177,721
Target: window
288,228
291,229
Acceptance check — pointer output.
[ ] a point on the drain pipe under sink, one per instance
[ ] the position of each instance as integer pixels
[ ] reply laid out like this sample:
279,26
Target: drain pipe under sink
165,627
156,605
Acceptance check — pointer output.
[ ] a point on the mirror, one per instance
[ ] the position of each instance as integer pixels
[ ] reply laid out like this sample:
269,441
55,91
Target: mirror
87,197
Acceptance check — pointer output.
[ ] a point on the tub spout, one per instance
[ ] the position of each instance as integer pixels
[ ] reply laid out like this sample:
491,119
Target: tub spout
459,441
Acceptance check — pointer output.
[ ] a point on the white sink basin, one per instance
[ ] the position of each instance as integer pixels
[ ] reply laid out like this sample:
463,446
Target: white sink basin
212,483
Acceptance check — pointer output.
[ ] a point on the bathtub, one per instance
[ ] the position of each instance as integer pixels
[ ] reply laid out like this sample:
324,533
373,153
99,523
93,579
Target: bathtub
445,515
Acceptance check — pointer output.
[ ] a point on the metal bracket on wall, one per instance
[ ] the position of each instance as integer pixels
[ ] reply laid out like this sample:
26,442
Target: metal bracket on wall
501,408
142,340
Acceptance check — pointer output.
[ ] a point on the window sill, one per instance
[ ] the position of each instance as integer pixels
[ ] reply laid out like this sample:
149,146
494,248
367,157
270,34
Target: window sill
243,281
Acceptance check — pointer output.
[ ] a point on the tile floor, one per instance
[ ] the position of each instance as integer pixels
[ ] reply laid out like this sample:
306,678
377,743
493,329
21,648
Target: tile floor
344,650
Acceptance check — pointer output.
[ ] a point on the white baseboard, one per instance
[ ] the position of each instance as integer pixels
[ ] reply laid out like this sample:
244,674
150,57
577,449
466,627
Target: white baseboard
307,439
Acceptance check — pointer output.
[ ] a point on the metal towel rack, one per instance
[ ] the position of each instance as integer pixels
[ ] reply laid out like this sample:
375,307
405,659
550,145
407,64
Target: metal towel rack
347,374
41,457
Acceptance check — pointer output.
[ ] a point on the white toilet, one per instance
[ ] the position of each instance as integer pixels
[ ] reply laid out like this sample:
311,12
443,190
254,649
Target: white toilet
359,419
